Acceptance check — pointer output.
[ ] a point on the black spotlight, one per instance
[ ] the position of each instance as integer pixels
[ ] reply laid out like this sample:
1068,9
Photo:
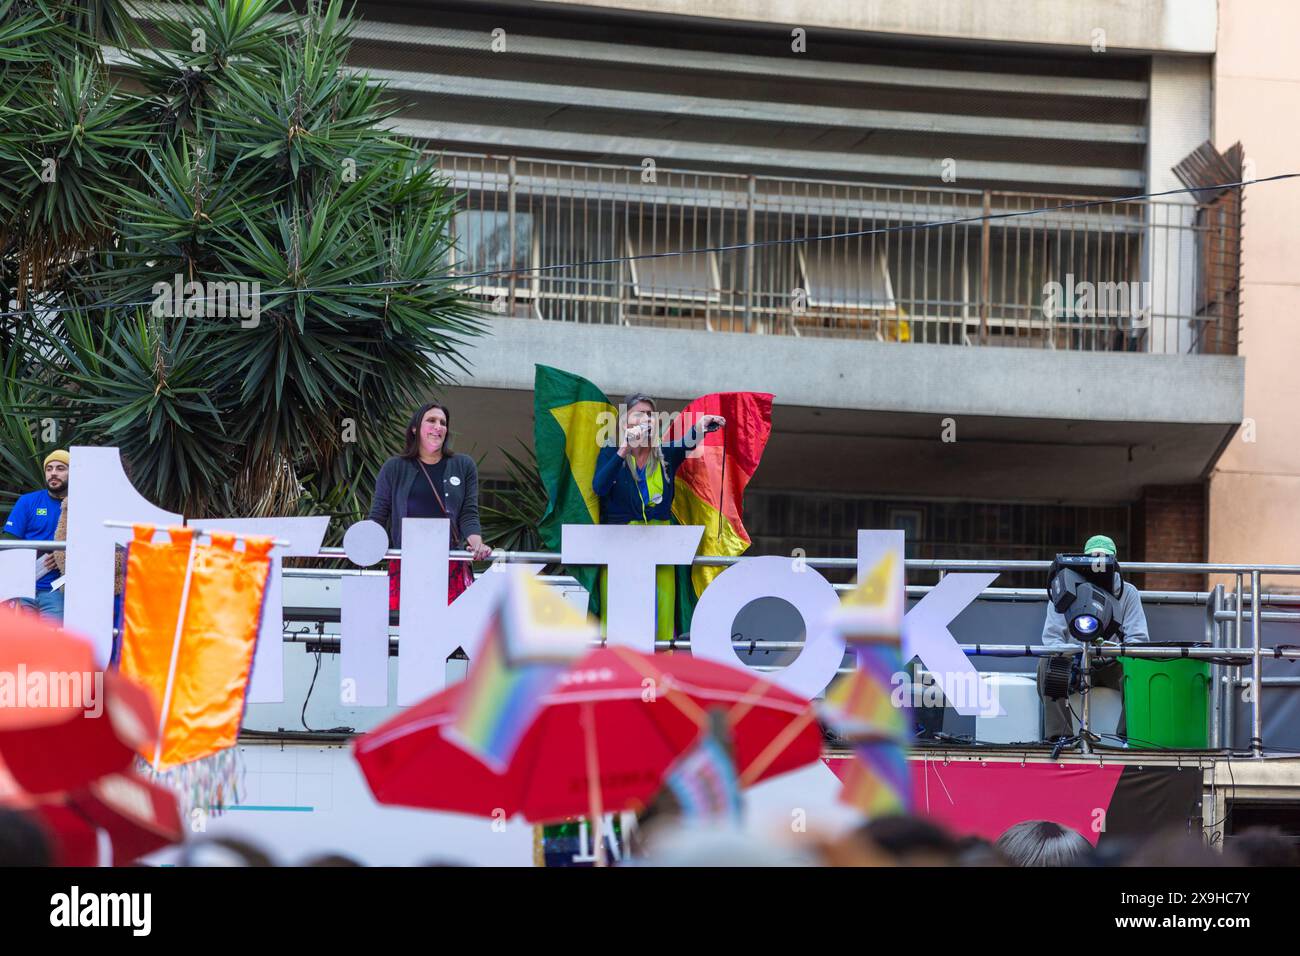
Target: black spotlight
1083,588
1060,677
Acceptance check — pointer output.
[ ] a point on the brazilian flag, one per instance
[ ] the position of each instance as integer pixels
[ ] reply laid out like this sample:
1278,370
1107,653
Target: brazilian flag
570,418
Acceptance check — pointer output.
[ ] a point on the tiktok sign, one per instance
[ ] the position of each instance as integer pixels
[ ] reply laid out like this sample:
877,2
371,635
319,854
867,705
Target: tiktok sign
431,630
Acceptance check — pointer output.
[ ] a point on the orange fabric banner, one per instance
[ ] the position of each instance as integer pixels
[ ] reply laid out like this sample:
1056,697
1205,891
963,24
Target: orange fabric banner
196,673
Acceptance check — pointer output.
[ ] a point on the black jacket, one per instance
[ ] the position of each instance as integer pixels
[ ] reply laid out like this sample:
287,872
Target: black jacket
459,493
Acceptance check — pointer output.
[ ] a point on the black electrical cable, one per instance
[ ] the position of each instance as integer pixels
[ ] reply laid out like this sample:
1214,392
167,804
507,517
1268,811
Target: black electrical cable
1150,745
1229,802
306,700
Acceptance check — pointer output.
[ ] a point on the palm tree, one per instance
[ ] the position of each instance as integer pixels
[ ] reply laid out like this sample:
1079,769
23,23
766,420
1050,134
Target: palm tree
511,514
237,154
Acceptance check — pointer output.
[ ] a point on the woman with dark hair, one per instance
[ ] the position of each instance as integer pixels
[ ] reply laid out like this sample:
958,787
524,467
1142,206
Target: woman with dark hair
1043,843
635,484
429,480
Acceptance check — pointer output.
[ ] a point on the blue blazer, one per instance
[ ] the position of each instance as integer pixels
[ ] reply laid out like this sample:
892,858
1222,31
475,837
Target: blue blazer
620,493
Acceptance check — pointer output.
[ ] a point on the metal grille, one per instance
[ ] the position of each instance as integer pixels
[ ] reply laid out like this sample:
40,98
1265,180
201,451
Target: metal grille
826,525
1134,276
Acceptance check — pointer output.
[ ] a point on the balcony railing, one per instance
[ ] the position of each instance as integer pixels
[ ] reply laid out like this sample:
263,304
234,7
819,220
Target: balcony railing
1150,276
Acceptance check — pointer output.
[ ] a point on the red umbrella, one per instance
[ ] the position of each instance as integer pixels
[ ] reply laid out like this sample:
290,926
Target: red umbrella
64,721
601,741
138,815
407,762
73,840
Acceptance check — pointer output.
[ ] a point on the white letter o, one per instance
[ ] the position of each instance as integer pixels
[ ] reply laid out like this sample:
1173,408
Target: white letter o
772,576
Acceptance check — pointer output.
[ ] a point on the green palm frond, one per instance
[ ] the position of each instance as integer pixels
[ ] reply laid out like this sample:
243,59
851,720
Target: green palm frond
258,160
511,516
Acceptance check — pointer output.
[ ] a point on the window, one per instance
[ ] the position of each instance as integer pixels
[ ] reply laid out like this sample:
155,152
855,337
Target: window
693,278
845,277
483,245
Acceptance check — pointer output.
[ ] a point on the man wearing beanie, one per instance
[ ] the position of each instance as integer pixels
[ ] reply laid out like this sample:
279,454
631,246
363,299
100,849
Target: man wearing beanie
35,517
1106,672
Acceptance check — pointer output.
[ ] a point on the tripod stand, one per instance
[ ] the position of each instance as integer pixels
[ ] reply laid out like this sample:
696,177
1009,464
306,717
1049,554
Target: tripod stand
1085,738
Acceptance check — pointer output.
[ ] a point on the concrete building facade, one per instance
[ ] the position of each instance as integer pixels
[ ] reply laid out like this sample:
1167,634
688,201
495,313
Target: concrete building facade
993,349
922,379
1256,481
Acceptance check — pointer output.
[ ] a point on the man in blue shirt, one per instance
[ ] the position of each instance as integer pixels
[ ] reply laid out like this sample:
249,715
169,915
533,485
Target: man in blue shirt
35,517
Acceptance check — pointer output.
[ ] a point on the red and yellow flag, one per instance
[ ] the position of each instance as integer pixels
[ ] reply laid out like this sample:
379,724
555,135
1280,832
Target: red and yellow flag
711,482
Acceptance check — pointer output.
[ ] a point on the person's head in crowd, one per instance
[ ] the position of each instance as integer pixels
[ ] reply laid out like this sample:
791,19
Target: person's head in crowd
223,851
977,851
56,473
1265,846
1043,843
331,859
1182,849
1113,850
428,433
662,814
694,845
911,841
22,840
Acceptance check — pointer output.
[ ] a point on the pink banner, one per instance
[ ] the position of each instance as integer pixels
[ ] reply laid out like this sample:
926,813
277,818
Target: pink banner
985,799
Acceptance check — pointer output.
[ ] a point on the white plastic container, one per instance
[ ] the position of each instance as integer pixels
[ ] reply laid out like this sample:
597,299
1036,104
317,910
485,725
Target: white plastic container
1018,696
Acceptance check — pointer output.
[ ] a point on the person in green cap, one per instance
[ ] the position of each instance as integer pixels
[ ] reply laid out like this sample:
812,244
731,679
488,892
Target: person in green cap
1106,672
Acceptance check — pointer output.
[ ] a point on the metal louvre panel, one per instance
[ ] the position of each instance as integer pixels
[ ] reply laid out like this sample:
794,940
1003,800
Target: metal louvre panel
736,98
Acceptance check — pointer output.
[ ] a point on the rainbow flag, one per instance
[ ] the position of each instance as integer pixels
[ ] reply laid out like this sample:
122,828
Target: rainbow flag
704,779
532,635
873,611
570,417
878,781
711,483
860,706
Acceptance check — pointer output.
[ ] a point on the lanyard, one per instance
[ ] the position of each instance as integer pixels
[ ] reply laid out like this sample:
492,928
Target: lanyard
641,498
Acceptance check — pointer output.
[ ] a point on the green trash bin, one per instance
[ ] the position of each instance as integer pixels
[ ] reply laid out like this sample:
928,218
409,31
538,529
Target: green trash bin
1166,702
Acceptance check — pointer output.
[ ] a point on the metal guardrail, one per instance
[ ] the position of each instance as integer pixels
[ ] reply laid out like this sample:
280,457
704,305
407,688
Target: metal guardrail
1225,622
912,564
980,282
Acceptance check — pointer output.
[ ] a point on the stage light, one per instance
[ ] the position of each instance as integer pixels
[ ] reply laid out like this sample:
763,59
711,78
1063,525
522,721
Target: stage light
1085,624
1060,678
1082,588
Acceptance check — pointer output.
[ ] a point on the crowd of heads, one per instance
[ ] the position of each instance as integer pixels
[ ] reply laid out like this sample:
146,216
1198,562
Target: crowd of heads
917,841
888,841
